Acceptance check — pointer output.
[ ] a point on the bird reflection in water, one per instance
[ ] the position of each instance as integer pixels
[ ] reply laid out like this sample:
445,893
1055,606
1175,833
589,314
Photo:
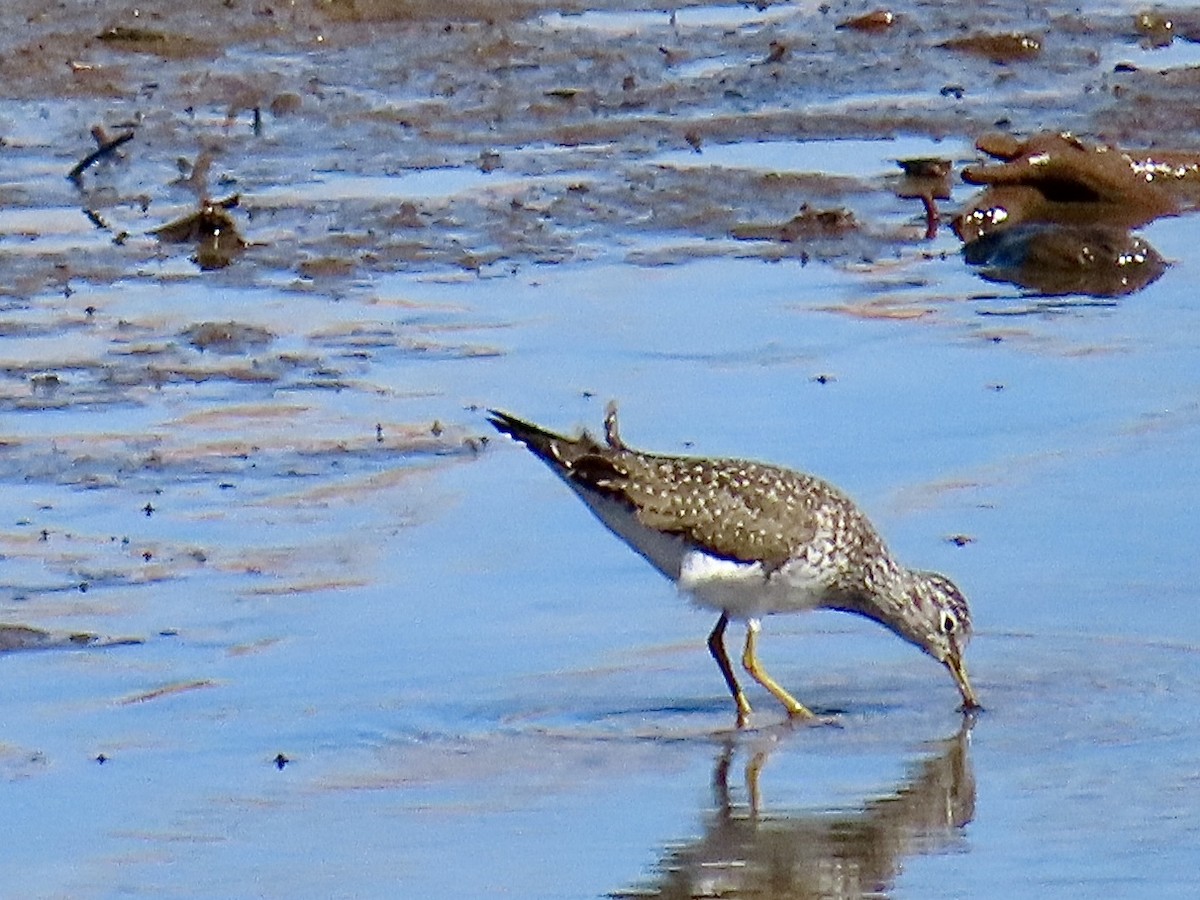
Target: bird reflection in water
747,852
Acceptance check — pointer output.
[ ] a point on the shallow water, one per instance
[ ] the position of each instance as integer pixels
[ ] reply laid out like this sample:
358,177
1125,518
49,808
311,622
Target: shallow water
380,651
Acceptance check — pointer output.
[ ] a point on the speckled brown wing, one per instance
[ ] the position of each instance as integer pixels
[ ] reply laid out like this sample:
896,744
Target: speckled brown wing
733,509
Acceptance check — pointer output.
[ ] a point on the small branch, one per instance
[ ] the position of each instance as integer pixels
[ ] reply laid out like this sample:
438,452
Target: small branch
931,216
76,174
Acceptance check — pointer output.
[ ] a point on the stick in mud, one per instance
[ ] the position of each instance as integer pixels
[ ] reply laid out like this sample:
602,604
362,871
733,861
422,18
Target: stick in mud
99,153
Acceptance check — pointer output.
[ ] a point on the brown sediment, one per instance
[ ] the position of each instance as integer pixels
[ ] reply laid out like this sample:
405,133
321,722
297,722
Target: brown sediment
883,308
288,103
806,224
226,337
381,11
167,690
23,637
353,490
285,587
1156,27
874,21
327,267
1060,162
253,647
932,167
235,416
1006,47
157,43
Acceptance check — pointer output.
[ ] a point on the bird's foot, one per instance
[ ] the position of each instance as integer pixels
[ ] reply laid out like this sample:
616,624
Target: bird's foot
743,708
810,718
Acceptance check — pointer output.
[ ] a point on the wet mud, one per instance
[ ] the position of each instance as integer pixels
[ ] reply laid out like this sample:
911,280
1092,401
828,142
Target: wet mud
561,115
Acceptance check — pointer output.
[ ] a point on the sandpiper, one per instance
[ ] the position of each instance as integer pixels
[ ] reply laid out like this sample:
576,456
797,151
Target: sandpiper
747,539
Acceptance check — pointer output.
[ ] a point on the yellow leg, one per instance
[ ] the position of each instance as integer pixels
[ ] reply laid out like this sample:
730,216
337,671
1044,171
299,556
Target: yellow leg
716,646
754,767
750,662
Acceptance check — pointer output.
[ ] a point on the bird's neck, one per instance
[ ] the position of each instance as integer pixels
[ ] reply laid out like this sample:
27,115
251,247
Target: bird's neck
886,592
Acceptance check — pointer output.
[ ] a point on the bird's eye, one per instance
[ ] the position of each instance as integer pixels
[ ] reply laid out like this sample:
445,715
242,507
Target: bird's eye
949,622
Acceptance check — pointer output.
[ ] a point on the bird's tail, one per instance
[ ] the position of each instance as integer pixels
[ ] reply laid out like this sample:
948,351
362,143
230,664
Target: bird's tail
557,450
537,439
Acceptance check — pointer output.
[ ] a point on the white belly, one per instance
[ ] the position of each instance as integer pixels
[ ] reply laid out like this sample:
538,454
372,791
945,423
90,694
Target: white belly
663,551
741,590
710,582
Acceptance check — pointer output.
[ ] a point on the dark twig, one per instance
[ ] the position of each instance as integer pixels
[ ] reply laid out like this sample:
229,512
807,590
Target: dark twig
99,153
931,216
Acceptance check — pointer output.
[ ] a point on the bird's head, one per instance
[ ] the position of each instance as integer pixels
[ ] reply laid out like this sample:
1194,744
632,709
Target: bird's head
938,620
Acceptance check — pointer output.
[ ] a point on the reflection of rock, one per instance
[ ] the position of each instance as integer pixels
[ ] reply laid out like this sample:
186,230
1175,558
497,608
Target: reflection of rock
1055,214
1063,259
747,853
